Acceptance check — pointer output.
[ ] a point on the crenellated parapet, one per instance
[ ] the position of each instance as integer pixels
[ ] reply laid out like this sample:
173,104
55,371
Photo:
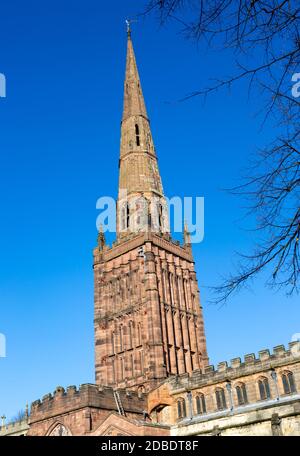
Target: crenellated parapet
236,368
15,428
86,396
259,391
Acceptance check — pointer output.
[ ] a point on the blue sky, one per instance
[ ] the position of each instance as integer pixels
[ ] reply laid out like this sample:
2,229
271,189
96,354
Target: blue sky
59,145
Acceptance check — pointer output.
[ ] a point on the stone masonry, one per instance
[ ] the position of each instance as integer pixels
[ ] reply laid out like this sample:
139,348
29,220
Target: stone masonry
148,319
278,412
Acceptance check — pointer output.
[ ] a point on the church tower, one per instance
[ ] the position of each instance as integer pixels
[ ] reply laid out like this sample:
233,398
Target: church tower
148,317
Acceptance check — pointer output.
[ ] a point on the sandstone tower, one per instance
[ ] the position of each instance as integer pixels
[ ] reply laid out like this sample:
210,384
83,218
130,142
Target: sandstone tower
148,318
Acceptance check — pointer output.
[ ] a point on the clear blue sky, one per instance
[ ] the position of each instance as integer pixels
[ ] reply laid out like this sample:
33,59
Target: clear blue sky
59,143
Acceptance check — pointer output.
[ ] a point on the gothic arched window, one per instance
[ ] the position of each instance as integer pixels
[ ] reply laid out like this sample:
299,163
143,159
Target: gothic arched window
60,431
200,404
149,219
288,383
181,408
221,399
160,216
125,217
241,393
141,210
137,135
264,388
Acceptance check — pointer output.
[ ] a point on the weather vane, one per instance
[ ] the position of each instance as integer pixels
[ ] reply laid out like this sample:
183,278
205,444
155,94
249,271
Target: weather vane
128,23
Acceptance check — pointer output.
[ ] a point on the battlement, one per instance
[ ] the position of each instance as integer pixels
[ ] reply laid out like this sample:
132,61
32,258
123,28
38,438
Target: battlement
15,428
87,395
237,368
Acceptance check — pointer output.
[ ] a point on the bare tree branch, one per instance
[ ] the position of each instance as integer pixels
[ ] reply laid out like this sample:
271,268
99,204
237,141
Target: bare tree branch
266,33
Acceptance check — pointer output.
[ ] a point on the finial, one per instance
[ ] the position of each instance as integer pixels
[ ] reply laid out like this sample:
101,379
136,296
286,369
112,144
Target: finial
101,239
186,234
128,23
128,27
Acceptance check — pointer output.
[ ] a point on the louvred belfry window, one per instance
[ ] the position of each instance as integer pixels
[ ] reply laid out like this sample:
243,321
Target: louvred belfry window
137,135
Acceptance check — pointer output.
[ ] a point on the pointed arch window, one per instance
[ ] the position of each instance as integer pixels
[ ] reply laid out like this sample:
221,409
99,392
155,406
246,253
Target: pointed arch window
181,408
221,399
125,217
138,217
149,218
264,388
160,216
60,431
241,393
137,135
141,210
200,404
288,383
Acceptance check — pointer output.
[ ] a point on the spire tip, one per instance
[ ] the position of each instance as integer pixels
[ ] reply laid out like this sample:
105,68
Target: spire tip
128,24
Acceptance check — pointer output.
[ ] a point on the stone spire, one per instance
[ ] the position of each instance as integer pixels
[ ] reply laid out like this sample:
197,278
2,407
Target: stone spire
148,318
134,103
141,204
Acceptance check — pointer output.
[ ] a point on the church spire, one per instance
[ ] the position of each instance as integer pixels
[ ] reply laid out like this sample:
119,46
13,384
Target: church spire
145,284
141,204
134,104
